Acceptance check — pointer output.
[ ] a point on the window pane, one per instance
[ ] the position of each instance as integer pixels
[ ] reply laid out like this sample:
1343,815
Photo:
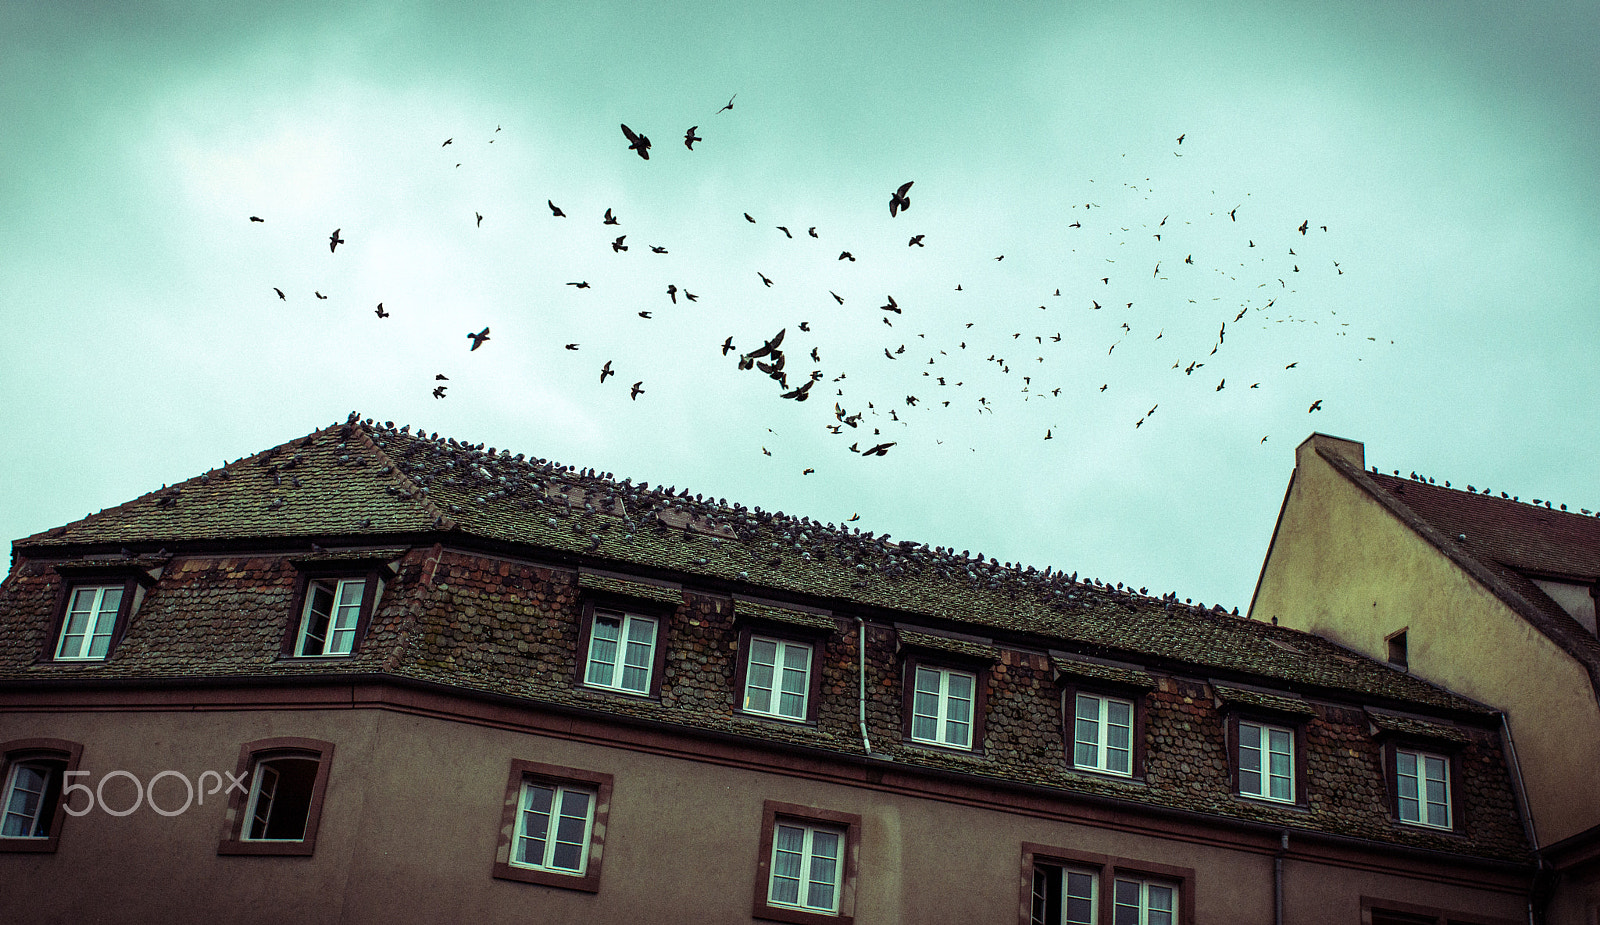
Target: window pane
824,864
787,844
1406,763
759,674
534,822
603,639
314,627
24,816
638,655
1080,898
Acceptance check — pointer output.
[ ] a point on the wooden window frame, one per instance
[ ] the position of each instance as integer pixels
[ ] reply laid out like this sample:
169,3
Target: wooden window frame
1430,749
1134,695
524,772
1296,729
787,635
236,820
17,751
661,614
849,823
373,575
1106,869
913,659
1423,915
133,583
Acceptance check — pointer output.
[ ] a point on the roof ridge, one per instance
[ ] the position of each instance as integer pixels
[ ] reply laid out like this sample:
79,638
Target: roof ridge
1470,563
415,492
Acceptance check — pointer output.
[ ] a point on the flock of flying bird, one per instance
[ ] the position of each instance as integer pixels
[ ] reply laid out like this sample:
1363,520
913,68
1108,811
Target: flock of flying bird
947,374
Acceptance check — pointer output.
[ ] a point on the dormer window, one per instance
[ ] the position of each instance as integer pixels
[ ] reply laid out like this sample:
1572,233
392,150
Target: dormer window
90,619
330,617
1398,656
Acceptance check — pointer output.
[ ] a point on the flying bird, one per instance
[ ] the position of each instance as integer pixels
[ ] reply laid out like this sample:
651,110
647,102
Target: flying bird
606,371
638,389
846,255
657,250
916,241
257,218
879,450
639,143
690,296
1315,406
580,285
281,296
1293,365
689,137
1181,137
319,295
749,218
764,280
438,391
645,315
672,293
891,307
836,297
807,471
555,210
334,240
785,231
727,345
729,106
478,338
480,218
609,219
572,346
447,141
812,231
617,246
441,377
900,201
383,314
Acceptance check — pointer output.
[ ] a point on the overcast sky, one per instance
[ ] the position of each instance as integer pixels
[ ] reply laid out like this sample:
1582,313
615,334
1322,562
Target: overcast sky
1446,315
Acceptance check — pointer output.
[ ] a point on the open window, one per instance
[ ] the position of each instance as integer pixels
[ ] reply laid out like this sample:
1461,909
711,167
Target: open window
1062,886
93,610
33,773
278,805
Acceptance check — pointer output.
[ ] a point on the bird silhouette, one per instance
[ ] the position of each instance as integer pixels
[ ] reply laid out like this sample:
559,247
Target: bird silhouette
334,240
785,232
438,391
606,371
555,210
891,307
281,296
881,449
657,250
257,218
766,282
639,143
609,219
645,315
581,285
383,314
1315,406
478,338
447,141
916,241
1304,225
836,297
617,246
727,345
637,390
480,218
846,255
572,346
729,106
899,202
812,231
319,295
672,293
1293,365
690,296
441,377
689,137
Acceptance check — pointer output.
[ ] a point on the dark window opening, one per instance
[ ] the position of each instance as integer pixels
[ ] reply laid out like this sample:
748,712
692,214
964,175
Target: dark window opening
1397,650
33,791
280,799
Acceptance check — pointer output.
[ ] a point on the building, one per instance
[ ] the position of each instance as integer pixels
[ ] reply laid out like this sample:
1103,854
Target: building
372,675
1481,593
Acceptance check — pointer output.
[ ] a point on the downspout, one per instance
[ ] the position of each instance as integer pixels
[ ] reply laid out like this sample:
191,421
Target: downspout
1277,877
1527,819
861,626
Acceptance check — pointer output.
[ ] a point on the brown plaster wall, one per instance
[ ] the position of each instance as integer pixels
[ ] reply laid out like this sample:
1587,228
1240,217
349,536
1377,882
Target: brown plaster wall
410,826
1341,565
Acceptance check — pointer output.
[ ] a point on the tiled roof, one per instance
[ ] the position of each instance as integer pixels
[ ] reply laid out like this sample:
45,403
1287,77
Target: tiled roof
1248,698
1413,726
1498,541
374,481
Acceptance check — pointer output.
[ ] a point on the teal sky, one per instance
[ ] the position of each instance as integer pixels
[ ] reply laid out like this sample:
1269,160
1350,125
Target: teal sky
1448,148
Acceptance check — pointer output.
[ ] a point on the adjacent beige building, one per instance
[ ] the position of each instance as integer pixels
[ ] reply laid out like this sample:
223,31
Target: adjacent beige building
1490,596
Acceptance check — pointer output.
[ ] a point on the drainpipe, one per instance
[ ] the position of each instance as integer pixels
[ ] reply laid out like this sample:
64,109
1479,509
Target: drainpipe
1527,820
861,649
1277,877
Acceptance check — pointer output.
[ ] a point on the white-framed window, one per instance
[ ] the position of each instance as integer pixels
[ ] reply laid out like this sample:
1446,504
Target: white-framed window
1143,902
554,822
331,614
1065,896
622,651
1422,788
807,865
777,678
32,792
1102,737
281,789
941,706
1266,762
89,621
